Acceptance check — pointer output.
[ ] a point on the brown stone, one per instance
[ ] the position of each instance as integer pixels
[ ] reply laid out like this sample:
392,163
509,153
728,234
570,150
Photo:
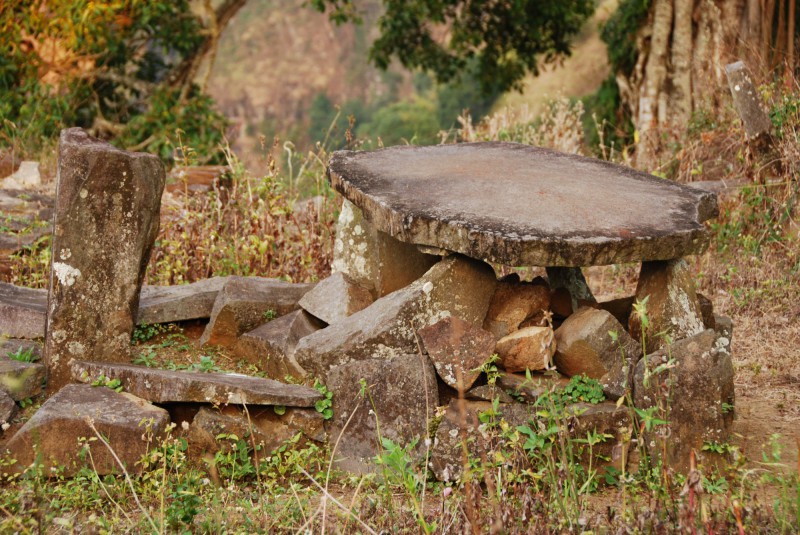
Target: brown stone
7,408
21,380
672,305
23,311
55,434
706,311
619,308
271,346
512,304
373,259
529,389
488,393
699,389
261,427
561,302
165,386
457,349
166,304
606,420
586,347
572,280
106,220
335,298
531,348
244,303
456,286
399,399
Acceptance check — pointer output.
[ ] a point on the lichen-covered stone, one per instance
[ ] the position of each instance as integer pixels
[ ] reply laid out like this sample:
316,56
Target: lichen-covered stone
531,348
456,286
58,431
271,346
106,220
165,304
672,304
513,303
586,347
519,205
373,259
399,395
457,349
244,303
167,386
23,311
335,298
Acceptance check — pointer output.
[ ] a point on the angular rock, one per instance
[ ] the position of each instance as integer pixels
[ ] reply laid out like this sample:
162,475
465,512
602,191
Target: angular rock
456,286
244,303
167,304
701,396
488,393
604,419
335,298
585,346
271,346
164,386
573,281
401,397
513,303
724,327
106,220
531,348
53,433
619,308
530,389
672,305
23,311
457,349
374,259
21,380
260,426
7,408
747,100
519,205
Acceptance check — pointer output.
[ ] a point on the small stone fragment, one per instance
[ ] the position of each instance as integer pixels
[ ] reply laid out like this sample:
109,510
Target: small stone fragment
167,304
27,176
271,346
373,259
488,393
528,389
20,380
513,303
701,394
106,220
456,286
335,298
165,386
457,349
8,408
672,305
586,347
400,397
244,303
55,434
531,348
23,311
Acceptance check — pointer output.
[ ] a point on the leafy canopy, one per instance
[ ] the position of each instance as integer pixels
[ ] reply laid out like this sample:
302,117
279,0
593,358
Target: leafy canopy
505,38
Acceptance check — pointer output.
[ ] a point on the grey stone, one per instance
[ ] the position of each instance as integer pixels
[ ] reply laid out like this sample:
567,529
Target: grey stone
585,346
165,386
166,304
457,349
531,348
747,100
20,380
8,408
54,434
244,303
335,298
400,397
456,286
373,259
523,206
271,346
672,305
514,302
530,389
23,311
106,220
700,393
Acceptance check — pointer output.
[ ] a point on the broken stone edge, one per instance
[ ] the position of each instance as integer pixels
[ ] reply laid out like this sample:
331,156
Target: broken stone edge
510,249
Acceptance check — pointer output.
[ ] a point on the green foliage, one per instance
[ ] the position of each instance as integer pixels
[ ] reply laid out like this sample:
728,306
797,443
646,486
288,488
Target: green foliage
144,332
582,389
24,354
403,122
108,382
504,39
325,405
619,34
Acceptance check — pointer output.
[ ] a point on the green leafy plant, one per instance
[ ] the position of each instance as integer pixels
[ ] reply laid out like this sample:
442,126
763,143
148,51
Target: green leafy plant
324,405
108,382
24,354
582,389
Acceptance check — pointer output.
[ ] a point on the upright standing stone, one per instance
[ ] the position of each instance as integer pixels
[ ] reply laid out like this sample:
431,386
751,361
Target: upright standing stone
747,101
106,220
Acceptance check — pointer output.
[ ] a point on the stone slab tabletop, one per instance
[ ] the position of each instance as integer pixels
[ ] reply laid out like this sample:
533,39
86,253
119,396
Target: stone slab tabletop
523,206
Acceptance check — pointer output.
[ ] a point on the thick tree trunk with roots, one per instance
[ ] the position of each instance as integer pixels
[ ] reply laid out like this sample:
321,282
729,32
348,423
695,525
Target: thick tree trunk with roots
683,49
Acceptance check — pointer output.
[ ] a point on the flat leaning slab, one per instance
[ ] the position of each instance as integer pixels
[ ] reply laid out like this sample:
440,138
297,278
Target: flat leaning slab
521,205
166,386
